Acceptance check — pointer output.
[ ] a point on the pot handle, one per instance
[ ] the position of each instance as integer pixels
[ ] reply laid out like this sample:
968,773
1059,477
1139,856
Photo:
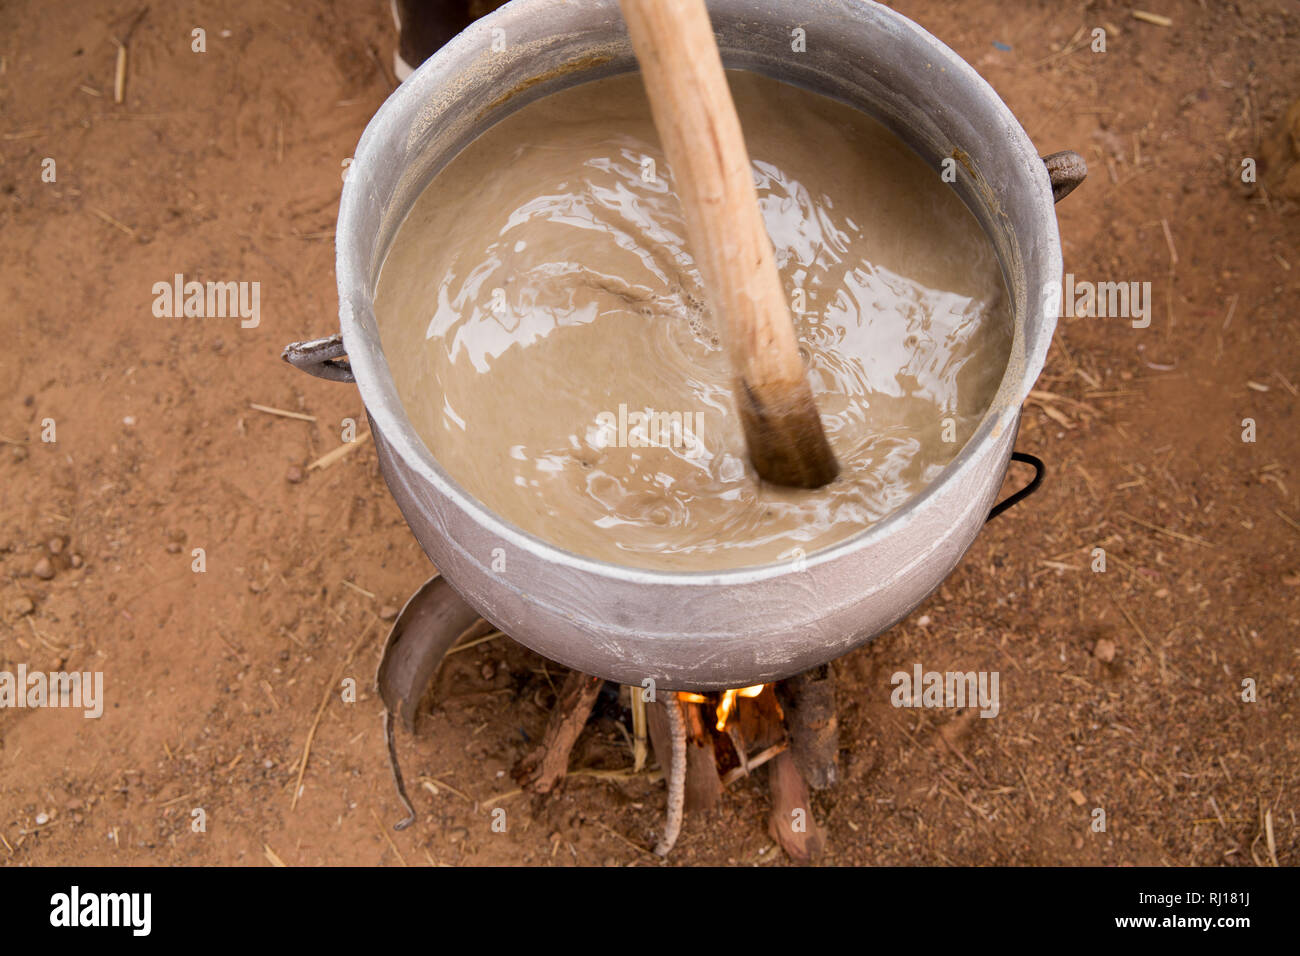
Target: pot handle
1066,170
1014,499
324,358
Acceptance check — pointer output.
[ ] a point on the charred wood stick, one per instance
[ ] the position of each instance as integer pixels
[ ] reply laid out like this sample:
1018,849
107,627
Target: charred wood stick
809,703
546,766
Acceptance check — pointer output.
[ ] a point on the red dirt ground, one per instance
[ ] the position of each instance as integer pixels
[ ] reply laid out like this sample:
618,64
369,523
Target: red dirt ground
227,165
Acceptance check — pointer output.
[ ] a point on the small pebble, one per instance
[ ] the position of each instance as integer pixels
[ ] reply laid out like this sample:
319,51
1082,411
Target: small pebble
923,621
43,569
22,606
1104,650
293,475
19,454
173,548
129,421
42,819
55,545
488,670
76,561
388,612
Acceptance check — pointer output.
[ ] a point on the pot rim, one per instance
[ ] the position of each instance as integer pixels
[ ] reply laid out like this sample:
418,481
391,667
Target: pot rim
378,391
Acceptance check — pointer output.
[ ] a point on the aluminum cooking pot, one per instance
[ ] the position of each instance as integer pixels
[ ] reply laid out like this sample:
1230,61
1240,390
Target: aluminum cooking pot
701,630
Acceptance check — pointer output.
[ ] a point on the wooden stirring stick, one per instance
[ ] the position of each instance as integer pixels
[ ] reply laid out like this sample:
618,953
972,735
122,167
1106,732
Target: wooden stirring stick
701,135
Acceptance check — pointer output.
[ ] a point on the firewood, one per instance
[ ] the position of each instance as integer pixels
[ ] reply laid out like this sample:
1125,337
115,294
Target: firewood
546,766
791,823
754,762
703,784
809,701
760,720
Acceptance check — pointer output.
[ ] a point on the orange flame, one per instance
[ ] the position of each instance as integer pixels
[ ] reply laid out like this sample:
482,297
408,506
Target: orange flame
726,703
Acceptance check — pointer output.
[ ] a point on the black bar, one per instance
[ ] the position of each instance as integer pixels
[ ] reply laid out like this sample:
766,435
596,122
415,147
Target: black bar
512,907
